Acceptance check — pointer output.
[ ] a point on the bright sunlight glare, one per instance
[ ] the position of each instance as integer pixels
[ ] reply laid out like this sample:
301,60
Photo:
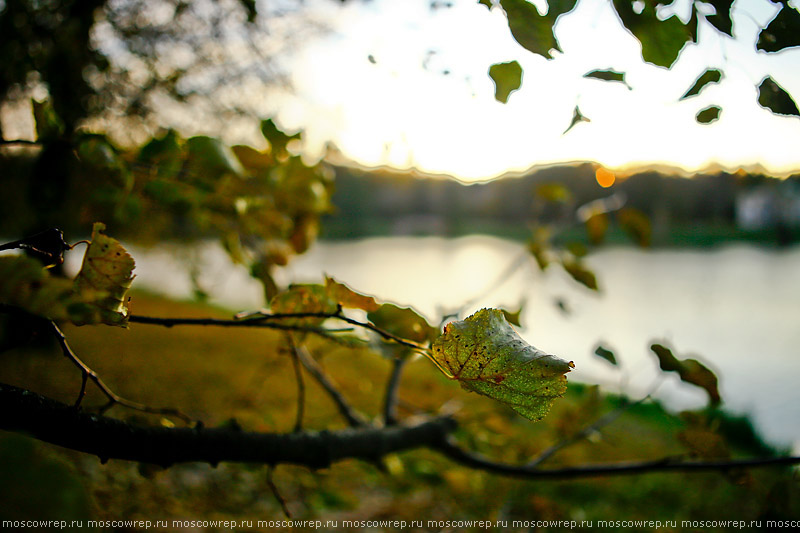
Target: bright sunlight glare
406,85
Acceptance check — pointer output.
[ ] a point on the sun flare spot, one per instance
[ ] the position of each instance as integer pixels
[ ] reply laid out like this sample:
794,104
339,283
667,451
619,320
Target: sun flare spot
605,178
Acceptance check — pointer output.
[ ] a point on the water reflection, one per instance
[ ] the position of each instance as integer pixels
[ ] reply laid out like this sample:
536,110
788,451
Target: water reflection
735,308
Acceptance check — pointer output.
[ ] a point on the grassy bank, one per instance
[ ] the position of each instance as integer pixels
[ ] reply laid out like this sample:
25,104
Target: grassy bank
217,374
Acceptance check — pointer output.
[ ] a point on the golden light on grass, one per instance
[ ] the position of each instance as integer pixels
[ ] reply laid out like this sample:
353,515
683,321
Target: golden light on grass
605,178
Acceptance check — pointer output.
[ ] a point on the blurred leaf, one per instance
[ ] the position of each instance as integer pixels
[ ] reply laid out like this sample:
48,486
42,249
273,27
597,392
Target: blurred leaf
49,125
107,269
210,156
773,97
347,297
98,152
25,284
554,192
403,322
532,30
278,140
250,8
304,299
637,224
539,247
782,32
661,41
710,76
487,3
708,115
605,353
701,437
690,371
608,75
596,227
578,249
722,18
577,118
163,156
253,160
513,316
579,272
486,355
507,78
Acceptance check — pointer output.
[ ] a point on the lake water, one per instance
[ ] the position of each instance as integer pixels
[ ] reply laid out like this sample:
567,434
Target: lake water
737,309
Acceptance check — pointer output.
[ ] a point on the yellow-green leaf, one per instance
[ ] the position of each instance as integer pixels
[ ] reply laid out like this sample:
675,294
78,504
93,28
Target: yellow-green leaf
507,78
107,270
402,322
486,355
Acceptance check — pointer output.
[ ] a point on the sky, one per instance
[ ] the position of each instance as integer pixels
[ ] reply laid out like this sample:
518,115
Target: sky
402,85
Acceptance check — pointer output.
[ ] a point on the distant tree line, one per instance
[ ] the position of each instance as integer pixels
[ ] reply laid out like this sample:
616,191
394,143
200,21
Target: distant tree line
381,202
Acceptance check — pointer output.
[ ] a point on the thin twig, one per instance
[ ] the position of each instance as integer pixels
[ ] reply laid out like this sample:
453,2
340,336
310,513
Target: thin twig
301,386
113,398
390,401
501,278
259,317
601,422
353,417
451,449
275,492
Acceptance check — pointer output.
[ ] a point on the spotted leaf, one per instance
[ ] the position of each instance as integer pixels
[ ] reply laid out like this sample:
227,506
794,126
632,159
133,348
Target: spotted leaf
486,355
107,272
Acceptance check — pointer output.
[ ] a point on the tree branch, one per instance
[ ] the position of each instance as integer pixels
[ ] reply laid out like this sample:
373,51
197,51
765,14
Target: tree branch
353,417
50,421
390,401
452,450
113,398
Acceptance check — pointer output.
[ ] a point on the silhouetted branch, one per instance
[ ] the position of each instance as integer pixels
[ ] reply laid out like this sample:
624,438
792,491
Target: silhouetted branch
50,421
45,419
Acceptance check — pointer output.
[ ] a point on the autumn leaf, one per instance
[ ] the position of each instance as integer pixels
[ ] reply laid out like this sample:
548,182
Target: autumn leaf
690,371
107,271
347,297
486,355
402,322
